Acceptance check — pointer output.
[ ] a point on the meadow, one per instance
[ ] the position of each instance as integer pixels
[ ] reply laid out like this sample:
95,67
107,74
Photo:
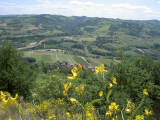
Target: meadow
52,57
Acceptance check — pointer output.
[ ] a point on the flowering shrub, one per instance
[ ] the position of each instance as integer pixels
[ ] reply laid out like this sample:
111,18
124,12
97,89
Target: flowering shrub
78,99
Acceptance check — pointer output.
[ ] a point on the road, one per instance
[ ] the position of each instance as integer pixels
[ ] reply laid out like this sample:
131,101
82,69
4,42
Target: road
32,46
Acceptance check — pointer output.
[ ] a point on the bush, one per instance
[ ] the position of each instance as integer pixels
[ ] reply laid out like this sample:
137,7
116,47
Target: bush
15,75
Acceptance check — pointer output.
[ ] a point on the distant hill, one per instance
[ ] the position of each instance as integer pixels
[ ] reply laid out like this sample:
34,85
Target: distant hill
86,36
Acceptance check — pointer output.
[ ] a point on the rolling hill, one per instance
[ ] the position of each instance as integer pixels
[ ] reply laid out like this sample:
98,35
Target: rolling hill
82,36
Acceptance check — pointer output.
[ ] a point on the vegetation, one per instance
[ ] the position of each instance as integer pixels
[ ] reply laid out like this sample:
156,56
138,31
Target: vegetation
84,95
74,34
87,68
15,74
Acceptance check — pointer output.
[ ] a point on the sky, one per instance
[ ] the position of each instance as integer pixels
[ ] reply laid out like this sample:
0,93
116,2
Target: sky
122,9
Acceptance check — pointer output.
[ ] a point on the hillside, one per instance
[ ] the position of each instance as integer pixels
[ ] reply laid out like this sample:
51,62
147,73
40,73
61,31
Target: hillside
82,36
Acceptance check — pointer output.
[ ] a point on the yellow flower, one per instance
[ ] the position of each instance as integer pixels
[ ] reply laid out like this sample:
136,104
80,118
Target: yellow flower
73,100
130,107
15,98
140,117
116,118
10,118
7,102
77,89
100,69
80,67
68,115
83,87
109,114
71,78
101,93
114,80
75,71
129,118
110,85
67,86
128,110
70,85
65,93
148,112
2,95
113,107
145,91
97,70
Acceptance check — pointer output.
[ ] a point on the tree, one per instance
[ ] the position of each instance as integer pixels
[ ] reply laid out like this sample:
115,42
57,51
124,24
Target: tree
15,74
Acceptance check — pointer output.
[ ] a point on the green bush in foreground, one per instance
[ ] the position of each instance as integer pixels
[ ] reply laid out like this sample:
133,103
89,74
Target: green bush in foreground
15,74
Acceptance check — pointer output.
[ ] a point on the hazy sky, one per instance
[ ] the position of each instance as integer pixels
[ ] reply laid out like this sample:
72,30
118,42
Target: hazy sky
123,9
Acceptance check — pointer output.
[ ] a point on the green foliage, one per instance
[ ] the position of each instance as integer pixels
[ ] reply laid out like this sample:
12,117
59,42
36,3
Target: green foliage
15,74
135,75
49,86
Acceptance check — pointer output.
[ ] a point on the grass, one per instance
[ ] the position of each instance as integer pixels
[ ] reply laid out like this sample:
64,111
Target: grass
80,60
53,57
46,57
50,57
67,58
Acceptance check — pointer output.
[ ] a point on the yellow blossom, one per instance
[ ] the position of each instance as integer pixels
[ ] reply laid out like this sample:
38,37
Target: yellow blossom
9,100
110,85
114,80
116,118
67,86
101,93
130,107
68,116
109,114
80,67
15,98
145,91
77,89
148,112
128,110
140,117
129,118
75,71
70,85
114,107
100,69
73,100
71,78
10,118
83,87
65,93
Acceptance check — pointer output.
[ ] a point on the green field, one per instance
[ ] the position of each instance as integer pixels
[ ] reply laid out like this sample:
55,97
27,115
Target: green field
53,57
49,57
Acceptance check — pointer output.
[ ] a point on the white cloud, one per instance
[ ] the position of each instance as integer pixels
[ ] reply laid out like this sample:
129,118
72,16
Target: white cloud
77,8
159,2
133,7
86,4
44,1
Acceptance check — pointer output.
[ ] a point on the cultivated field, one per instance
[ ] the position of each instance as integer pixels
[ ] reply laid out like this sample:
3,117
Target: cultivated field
54,56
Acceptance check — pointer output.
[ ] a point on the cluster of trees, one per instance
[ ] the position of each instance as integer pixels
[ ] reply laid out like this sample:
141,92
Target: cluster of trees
78,46
16,76
127,27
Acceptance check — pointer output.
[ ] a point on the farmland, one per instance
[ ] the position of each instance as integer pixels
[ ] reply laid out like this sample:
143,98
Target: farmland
54,56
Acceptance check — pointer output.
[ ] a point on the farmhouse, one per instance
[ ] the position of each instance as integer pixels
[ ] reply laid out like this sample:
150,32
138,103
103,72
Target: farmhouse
33,43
